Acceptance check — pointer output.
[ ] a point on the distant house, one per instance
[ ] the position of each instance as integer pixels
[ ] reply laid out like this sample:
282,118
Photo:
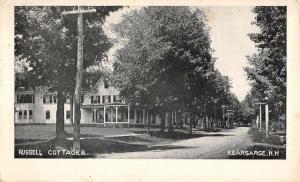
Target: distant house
101,106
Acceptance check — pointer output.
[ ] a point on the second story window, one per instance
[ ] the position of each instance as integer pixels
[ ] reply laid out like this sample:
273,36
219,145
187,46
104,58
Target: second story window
25,98
92,99
98,99
116,98
106,84
44,99
50,99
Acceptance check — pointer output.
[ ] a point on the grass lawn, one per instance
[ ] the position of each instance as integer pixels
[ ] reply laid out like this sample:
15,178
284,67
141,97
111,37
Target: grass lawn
260,137
94,140
273,147
47,132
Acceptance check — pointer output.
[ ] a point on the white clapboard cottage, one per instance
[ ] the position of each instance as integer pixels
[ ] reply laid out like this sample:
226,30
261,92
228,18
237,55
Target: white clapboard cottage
101,106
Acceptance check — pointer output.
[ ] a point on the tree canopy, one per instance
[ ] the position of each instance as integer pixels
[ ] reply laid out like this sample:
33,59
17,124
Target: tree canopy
267,67
47,40
167,60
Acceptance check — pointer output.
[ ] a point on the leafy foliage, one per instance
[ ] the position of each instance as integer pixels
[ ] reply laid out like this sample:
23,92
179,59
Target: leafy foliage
48,40
166,61
267,70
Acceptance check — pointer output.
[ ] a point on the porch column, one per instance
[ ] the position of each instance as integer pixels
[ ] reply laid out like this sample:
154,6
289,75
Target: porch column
166,118
134,115
147,117
93,114
117,113
111,115
144,116
128,113
104,114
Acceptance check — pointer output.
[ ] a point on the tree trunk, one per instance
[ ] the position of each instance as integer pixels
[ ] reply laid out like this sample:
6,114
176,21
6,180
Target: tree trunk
191,128
170,121
60,122
162,122
194,121
76,145
206,122
148,122
71,108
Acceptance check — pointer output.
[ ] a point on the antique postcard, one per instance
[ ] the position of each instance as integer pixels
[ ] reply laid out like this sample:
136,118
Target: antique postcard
89,86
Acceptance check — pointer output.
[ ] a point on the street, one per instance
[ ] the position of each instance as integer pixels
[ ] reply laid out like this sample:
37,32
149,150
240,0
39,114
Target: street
212,146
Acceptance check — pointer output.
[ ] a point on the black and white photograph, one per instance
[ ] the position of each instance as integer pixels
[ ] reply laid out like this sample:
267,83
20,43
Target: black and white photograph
150,82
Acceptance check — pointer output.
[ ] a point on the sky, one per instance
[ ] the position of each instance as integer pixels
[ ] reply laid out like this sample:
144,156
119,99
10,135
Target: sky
229,27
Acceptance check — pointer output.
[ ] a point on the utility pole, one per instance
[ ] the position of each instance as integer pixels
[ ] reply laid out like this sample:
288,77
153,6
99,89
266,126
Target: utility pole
266,115
78,86
260,114
260,117
267,120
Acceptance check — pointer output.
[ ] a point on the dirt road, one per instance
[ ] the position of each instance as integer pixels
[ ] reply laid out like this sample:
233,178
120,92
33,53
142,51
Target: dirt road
212,146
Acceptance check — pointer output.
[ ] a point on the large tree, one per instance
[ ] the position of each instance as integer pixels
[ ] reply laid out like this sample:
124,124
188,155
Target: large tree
48,42
267,67
166,61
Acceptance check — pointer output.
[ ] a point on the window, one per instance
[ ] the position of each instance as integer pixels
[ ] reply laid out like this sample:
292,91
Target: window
92,99
25,98
25,114
109,99
106,84
93,116
95,99
44,99
103,99
47,114
20,114
50,99
116,98
68,114
54,99
30,114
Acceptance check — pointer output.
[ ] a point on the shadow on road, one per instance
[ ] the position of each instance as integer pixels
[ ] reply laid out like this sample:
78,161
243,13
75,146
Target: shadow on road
92,147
